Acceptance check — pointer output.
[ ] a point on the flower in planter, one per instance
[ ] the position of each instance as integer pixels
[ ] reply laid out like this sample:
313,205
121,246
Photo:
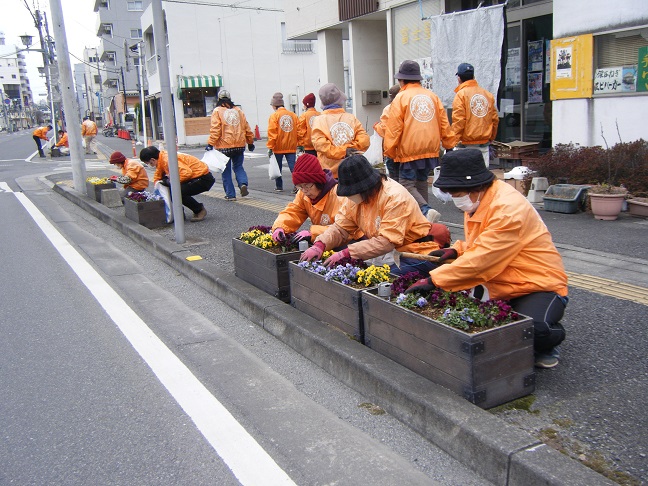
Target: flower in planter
143,196
261,237
95,181
374,275
350,273
459,310
403,282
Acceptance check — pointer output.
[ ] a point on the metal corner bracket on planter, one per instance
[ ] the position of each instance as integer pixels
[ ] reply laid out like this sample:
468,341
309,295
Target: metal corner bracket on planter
331,302
265,270
487,368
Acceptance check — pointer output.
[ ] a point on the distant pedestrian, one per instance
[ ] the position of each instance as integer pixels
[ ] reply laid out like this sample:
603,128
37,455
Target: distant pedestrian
41,134
195,177
89,133
508,252
336,134
474,114
380,126
282,136
416,126
134,176
229,132
305,126
63,143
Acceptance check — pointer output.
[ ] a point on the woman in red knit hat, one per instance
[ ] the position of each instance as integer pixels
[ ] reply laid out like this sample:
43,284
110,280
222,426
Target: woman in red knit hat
134,176
305,124
316,199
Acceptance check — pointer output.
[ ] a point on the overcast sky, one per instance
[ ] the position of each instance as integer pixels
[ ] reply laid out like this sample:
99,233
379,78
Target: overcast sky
80,21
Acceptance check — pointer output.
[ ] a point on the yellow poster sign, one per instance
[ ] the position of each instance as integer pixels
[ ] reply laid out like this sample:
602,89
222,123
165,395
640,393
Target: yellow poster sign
572,67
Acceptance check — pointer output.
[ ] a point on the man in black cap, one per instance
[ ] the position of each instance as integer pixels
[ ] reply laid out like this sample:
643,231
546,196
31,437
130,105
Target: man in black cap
416,126
508,253
474,114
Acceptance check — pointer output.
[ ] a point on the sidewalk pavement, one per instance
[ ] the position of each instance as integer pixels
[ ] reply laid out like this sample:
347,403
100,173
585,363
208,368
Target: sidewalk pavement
502,453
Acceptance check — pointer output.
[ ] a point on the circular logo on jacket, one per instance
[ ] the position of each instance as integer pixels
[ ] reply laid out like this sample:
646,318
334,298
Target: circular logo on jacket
325,220
231,117
286,123
341,133
311,120
479,105
377,224
422,108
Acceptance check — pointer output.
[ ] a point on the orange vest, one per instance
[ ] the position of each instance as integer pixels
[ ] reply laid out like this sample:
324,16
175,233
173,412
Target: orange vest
304,128
189,167
282,131
229,128
137,173
474,115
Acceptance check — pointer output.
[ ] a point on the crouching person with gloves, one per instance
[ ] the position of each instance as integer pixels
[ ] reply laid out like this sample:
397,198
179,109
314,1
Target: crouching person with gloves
386,213
195,177
508,252
316,200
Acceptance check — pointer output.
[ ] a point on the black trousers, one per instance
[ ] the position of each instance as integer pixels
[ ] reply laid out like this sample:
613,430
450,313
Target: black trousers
546,309
40,147
195,186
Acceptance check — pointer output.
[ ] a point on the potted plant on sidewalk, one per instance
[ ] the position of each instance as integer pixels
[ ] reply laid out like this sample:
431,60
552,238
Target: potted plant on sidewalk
145,208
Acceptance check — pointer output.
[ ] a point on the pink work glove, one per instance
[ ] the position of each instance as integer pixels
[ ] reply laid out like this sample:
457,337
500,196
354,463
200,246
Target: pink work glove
336,257
278,235
313,253
113,178
301,235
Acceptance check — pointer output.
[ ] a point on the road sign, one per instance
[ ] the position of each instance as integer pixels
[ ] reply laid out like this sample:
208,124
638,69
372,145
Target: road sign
7,101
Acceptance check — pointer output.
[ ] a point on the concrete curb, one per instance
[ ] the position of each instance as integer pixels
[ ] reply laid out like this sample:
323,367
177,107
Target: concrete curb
496,450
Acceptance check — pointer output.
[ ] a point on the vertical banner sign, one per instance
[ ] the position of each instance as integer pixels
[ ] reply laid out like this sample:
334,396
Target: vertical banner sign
642,72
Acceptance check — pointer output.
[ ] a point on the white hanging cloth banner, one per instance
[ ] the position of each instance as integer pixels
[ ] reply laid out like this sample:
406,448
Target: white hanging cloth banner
472,36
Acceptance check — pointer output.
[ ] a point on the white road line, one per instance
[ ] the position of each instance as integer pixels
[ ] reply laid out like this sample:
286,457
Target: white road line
248,461
4,187
12,160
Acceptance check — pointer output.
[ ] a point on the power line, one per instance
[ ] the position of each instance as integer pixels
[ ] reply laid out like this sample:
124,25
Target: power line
230,5
104,69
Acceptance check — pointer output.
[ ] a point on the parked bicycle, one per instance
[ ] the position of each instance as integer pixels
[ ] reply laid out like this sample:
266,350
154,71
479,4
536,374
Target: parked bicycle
110,131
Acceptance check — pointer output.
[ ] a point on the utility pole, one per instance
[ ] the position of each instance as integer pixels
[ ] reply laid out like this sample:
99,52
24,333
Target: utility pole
124,88
70,103
50,55
4,109
101,94
140,79
87,92
168,125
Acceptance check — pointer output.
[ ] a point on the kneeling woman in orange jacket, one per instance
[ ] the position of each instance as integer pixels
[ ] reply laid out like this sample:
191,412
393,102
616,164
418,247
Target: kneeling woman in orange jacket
134,176
386,213
316,200
508,253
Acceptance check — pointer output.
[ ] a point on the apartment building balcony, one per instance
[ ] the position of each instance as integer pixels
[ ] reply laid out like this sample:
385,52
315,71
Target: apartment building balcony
297,47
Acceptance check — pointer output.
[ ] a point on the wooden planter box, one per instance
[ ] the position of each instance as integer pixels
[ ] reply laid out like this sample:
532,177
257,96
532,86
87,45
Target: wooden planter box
263,269
638,208
94,190
487,368
151,214
330,302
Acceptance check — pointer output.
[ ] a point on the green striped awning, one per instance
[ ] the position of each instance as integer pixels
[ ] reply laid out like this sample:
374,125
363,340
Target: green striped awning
208,81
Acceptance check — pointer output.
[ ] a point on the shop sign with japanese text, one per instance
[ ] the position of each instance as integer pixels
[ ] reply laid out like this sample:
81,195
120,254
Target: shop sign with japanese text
615,79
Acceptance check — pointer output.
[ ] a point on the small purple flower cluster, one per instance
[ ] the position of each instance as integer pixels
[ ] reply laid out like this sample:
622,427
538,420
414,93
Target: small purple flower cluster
143,196
262,229
403,282
345,274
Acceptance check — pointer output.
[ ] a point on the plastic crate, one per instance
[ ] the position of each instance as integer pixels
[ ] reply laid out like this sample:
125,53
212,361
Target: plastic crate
565,198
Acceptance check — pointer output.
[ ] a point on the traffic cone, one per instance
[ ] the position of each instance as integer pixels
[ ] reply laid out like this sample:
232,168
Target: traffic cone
257,134
134,149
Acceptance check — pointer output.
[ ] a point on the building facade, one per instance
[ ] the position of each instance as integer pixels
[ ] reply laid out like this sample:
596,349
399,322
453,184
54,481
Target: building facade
534,104
16,98
243,49
119,29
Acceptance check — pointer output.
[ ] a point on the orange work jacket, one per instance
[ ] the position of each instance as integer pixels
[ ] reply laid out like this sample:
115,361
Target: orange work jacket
393,215
137,173
41,133
508,249
64,141
189,167
304,128
282,131
229,128
416,125
334,131
88,128
474,115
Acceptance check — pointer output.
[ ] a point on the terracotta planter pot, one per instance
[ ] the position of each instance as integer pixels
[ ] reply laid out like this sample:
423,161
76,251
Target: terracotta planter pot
263,269
606,206
637,208
486,368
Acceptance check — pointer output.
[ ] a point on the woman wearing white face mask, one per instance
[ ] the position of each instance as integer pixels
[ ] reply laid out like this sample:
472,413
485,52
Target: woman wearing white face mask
385,212
508,251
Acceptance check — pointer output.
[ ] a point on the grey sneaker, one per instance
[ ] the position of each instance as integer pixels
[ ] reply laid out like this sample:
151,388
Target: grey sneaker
545,360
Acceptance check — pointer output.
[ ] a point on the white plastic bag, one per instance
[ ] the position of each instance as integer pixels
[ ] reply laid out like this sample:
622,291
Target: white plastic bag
438,193
83,144
165,192
215,160
374,153
273,168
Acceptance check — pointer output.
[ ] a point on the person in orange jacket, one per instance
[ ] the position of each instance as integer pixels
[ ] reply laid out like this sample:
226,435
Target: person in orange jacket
474,114
195,177
336,134
229,132
134,176
416,126
316,200
380,126
63,144
282,136
89,133
508,252
388,216
41,134
305,125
